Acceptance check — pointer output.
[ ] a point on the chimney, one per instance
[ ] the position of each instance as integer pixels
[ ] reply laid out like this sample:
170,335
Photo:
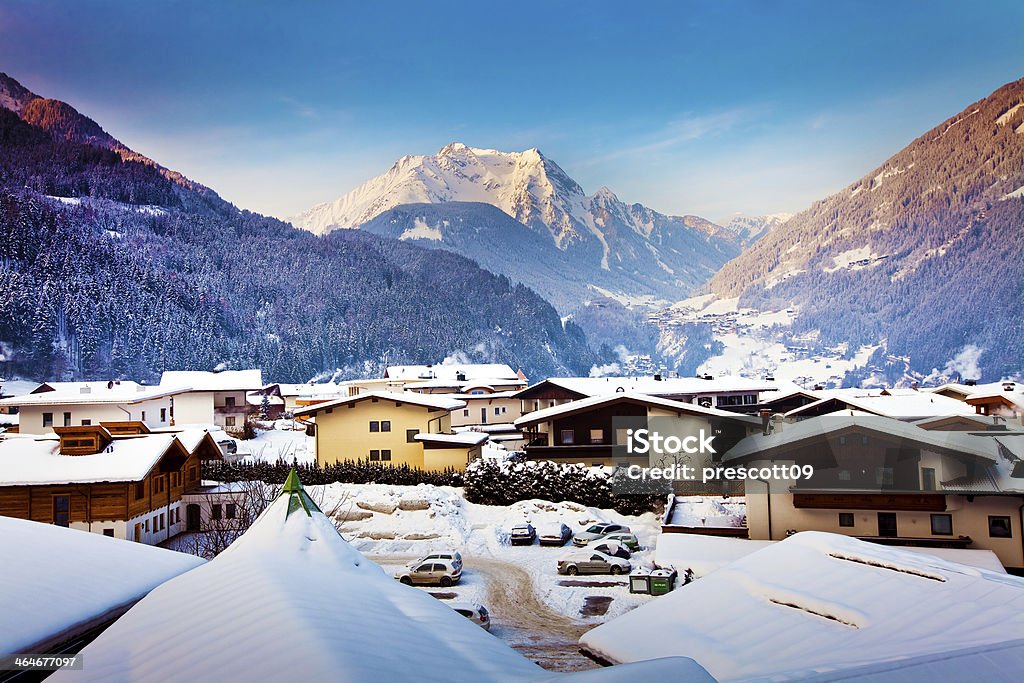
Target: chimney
766,417
657,377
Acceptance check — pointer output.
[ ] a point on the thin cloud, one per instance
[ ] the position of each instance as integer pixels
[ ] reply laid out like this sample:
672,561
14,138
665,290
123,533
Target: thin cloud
677,133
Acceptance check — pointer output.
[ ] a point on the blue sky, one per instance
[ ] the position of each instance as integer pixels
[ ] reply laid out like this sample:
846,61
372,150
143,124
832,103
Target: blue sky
689,107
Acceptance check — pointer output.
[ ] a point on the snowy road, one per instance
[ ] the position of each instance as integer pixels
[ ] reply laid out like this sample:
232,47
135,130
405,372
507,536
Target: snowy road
517,616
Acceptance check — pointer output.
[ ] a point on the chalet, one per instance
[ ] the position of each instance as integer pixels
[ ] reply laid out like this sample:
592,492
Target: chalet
585,430
735,394
404,428
67,404
8,411
217,398
1007,404
117,479
891,482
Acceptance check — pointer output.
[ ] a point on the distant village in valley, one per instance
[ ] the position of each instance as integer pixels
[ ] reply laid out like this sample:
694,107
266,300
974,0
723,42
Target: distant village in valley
441,473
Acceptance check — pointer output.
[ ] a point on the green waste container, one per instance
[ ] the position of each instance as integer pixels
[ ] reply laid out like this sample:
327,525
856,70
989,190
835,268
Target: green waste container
662,581
640,582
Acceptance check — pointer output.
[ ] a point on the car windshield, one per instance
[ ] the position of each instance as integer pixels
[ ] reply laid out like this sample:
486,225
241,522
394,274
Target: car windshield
596,529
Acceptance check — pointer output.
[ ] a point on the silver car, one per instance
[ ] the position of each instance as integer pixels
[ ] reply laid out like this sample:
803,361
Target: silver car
474,612
597,531
431,572
592,562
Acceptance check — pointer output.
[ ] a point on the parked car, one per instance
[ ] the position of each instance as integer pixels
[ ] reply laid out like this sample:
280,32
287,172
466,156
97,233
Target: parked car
611,548
523,534
555,534
453,556
592,562
474,612
625,538
597,531
435,571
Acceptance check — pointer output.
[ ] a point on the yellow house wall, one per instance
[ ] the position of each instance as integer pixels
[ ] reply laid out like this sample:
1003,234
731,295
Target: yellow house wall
456,458
512,406
344,433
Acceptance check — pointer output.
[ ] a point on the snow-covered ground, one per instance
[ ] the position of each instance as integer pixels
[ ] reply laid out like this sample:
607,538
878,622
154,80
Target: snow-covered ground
709,511
282,442
396,524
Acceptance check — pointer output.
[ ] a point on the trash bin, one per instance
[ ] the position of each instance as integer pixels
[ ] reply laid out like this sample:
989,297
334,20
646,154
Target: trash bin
640,581
662,581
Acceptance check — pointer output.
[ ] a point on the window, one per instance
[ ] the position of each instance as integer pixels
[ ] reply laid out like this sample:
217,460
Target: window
942,525
229,421
385,455
410,435
568,437
177,515
230,510
47,419
193,472
217,513
596,436
465,413
229,401
67,419
161,521
375,455
163,414
750,399
147,526
108,532
385,426
374,426
883,476
845,519
844,475
158,485
62,510
999,527
86,423
927,478
140,490
143,415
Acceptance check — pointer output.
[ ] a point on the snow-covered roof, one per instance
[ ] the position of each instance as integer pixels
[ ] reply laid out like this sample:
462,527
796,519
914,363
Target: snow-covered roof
78,393
471,372
704,554
546,414
436,401
898,403
819,602
967,390
323,612
1008,396
485,396
227,380
667,386
27,460
45,599
460,439
755,445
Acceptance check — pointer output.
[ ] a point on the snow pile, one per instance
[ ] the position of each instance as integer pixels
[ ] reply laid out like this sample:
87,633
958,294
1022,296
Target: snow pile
819,602
43,596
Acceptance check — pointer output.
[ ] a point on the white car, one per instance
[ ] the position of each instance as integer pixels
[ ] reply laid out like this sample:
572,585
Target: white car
474,612
592,562
597,531
453,556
